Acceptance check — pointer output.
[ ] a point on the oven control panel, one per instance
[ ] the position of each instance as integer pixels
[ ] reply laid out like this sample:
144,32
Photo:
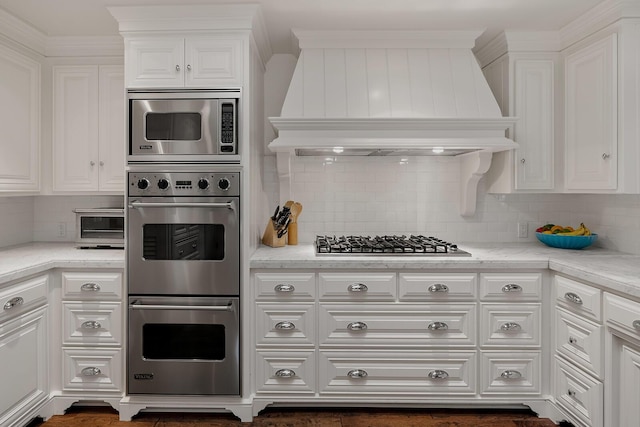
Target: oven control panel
172,184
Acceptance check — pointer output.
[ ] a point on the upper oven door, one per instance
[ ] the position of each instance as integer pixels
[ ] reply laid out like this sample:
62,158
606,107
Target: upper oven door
183,246
182,126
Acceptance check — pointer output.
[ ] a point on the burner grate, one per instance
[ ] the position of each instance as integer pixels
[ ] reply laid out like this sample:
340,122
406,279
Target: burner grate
386,245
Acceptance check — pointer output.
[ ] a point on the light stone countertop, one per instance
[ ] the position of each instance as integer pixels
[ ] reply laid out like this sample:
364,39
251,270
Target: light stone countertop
17,262
610,270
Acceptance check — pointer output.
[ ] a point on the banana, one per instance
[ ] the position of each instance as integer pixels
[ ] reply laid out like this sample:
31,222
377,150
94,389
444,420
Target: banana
580,231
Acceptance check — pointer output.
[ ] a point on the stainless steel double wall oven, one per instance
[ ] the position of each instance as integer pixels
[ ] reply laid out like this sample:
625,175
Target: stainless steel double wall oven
183,252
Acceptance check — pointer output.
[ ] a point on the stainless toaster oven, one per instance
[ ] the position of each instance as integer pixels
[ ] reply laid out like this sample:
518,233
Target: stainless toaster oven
100,228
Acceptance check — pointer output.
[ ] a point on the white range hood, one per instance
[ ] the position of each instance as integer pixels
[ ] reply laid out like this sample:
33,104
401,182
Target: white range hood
387,93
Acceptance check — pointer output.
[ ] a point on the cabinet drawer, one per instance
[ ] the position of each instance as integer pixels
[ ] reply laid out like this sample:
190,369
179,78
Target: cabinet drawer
285,324
622,314
92,323
578,297
285,287
414,373
510,325
412,326
357,286
580,340
511,286
510,372
579,394
92,370
285,372
92,285
23,296
437,287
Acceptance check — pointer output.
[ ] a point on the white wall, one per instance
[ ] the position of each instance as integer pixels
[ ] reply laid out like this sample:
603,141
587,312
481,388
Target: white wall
16,220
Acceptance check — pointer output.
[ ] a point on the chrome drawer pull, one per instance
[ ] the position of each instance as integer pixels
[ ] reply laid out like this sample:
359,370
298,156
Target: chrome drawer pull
438,374
285,373
574,298
636,324
572,340
90,287
91,372
13,302
511,287
285,326
511,375
284,288
357,326
438,287
91,324
438,326
357,373
510,327
357,287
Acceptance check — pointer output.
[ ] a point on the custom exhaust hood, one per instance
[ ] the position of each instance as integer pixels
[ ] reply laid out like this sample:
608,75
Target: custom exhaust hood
391,93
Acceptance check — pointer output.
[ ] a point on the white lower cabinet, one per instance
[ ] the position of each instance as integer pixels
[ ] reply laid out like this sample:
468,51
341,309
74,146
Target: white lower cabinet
579,394
23,350
285,372
505,373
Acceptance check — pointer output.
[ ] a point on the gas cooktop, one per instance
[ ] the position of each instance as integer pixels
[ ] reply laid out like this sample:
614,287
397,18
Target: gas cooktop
386,245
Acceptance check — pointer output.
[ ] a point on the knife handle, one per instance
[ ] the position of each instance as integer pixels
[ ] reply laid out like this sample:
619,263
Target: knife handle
292,233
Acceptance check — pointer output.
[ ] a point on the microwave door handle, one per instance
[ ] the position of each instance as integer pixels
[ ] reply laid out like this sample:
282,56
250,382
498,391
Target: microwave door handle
136,306
136,204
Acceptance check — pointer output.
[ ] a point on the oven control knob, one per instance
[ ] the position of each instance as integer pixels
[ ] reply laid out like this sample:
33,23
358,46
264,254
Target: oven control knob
163,184
203,183
224,184
143,183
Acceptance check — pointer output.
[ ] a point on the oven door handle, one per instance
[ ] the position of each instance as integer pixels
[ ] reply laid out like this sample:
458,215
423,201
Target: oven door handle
138,306
136,204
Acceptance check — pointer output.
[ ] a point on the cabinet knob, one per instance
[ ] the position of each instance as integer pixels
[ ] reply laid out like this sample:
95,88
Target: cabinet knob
572,340
92,163
188,67
571,393
177,67
357,326
357,287
574,298
510,327
438,287
13,302
91,324
90,287
523,161
285,373
511,375
285,326
511,287
91,371
438,326
438,374
357,373
101,163
605,156
284,288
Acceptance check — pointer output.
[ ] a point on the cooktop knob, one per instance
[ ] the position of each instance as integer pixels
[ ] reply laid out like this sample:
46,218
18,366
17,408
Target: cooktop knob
224,184
203,183
143,183
163,184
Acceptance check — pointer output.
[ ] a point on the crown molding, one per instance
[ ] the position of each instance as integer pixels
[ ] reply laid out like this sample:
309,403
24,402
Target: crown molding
492,50
21,32
84,46
386,39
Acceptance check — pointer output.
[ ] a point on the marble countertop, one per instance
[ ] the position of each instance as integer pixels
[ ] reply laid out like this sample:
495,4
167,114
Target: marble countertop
17,262
611,270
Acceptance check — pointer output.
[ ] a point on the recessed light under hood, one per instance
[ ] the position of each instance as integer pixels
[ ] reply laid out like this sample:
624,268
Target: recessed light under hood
390,93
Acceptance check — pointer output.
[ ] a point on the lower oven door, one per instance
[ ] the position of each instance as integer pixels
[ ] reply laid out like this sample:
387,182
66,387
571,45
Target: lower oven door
183,246
183,346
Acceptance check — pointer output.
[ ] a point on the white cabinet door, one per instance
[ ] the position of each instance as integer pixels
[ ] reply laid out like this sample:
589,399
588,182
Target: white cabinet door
112,136
213,62
156,62
629,391
19,121
75,128
534,96
591,117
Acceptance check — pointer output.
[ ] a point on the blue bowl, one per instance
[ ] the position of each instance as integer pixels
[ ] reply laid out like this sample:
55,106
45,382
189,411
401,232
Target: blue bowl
566,242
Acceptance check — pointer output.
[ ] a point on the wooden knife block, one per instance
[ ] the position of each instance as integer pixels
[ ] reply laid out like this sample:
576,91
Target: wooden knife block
270,237
292,233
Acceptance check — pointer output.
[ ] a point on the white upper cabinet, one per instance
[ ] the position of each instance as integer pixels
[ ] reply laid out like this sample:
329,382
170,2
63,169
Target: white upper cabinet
19,121
175,62
88,128
591,116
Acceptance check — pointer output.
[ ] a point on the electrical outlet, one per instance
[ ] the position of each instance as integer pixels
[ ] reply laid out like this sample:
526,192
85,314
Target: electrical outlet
62,229
523,230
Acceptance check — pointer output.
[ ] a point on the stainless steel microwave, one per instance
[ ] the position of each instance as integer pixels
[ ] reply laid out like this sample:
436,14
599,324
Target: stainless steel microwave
183,126
100,228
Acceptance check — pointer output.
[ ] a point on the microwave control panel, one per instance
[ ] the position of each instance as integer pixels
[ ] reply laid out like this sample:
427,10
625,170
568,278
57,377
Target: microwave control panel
176,184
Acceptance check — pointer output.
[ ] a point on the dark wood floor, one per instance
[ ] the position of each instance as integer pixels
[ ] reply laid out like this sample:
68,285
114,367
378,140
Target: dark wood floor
278,417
